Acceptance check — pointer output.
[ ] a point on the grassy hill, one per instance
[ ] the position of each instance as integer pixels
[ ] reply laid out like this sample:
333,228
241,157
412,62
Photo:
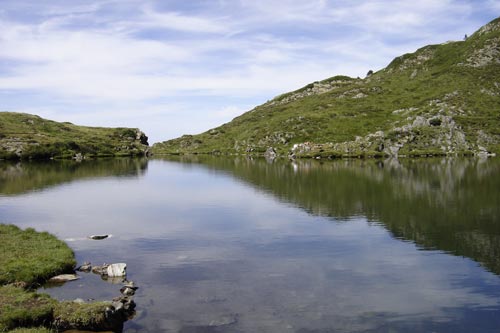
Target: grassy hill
440,100
25,136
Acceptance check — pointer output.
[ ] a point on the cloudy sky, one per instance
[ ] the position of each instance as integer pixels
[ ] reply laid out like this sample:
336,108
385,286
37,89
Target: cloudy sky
173,67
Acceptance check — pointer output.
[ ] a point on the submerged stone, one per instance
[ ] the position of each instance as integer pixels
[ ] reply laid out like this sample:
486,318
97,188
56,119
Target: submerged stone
64,278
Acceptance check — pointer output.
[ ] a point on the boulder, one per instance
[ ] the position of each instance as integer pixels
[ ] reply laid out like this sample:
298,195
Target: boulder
127,291
86,267
119,269
101,270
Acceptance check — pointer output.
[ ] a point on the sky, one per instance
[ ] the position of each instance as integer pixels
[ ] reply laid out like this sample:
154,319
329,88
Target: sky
174,67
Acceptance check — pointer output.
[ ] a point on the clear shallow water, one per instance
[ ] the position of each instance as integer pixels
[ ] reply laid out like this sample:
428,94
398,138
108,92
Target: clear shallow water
234,245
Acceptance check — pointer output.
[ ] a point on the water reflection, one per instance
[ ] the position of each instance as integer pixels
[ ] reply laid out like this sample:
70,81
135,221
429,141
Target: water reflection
448,204
237,245
27,176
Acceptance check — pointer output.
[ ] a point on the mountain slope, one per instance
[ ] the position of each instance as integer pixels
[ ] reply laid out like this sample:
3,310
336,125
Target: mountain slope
441,99
28,136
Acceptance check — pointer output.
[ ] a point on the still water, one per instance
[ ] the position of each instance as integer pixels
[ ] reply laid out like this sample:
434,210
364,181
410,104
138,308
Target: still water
238,245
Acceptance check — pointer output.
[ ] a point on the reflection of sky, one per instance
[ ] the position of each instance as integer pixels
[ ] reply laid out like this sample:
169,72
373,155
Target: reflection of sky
203,247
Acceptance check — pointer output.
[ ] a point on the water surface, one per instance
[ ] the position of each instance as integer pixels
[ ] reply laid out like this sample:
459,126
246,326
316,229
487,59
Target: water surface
238,245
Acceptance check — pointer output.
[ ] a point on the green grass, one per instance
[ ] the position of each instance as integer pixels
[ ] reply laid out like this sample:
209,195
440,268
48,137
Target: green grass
88,316
31,257
27,136
431,82
21,308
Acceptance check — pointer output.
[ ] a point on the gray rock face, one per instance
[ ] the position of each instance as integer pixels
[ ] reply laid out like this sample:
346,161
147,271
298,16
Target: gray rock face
270,154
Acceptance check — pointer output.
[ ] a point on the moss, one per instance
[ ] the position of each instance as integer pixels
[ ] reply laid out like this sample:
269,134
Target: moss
21,308
86,316
32,257
28,258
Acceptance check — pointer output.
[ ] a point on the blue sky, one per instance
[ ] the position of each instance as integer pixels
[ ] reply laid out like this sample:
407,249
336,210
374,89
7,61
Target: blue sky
174,67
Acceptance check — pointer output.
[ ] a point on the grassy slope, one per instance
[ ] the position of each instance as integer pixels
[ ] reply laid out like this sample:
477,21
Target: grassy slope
28,136
436,82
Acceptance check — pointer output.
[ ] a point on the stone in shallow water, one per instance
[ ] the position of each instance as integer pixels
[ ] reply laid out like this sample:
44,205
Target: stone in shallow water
127,291
98,237
224,320
64,278
86,267
119,269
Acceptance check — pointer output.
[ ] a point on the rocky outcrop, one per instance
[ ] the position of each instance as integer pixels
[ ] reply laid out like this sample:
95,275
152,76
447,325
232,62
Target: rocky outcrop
488,54
315,88
415,138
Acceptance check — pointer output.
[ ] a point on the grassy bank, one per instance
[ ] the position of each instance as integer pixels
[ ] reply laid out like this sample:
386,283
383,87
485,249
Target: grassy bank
28,259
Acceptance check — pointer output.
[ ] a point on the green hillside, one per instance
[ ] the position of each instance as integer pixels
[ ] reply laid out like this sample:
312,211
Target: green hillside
440,100
24,136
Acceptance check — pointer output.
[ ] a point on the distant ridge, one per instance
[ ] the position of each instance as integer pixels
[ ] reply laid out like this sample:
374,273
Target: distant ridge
25,136
440,100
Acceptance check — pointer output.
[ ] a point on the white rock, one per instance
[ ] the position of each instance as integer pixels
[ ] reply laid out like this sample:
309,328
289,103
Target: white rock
119,269
63,278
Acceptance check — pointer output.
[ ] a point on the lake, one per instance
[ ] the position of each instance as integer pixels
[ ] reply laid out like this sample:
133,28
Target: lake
242,245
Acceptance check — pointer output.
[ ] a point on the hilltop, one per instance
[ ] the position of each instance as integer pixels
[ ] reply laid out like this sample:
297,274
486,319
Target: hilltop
440,100
24,136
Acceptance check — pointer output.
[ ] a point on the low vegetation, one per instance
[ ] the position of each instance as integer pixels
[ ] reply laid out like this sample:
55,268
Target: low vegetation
29,258
25,136
440,100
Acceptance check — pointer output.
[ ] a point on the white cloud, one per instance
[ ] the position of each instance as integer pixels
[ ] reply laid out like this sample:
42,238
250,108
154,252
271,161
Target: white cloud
109,54
177,21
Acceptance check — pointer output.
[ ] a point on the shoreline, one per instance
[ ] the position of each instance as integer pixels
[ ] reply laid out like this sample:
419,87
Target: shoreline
30,259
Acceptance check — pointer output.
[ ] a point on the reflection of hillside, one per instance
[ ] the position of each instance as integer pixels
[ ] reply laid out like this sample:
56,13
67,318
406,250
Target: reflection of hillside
451,205
26,176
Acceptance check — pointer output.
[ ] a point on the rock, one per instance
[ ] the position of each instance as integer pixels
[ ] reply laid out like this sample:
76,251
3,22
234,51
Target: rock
98,237
127,291
63,278
86,267
101,270
119,269
270,154
123,302
130,284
